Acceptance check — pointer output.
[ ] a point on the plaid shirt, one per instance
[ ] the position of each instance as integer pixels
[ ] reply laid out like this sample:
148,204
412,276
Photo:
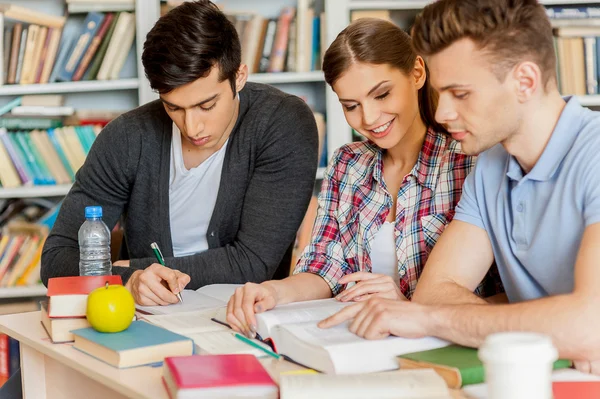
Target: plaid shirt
354,203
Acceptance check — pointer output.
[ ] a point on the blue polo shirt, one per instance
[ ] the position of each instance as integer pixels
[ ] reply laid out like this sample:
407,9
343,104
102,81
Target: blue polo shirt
536,221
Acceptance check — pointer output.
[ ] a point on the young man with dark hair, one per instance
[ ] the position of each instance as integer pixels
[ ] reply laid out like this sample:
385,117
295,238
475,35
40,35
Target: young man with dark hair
219,172
532,202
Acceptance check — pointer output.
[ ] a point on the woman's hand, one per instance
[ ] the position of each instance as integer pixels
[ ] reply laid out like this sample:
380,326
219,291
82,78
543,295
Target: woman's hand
369,285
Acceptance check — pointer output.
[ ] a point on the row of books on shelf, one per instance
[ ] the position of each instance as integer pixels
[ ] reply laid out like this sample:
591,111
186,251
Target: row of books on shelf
42,157
293,42
35,50
576,29
578,64
21,245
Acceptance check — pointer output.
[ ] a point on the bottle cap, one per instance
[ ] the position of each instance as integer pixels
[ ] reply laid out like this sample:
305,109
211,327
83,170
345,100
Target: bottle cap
93,212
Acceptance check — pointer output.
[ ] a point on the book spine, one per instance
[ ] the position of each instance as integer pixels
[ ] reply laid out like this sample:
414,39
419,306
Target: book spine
277,60
16,159
4,359
14,352
14,53
93,48
90,27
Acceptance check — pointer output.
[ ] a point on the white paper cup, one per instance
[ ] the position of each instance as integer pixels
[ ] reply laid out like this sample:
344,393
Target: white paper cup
518,365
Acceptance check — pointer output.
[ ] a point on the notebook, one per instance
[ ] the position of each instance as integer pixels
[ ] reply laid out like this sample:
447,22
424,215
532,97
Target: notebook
142,343
217,376
458,365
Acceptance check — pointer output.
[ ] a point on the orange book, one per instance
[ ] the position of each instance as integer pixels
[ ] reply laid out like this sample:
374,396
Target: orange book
68,295
576,389
277,60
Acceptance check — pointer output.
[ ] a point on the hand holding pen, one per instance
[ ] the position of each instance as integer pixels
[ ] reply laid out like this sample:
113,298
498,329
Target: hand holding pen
161,260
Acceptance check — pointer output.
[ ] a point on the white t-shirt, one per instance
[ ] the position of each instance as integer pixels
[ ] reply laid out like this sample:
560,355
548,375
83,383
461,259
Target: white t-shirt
192,198
383,252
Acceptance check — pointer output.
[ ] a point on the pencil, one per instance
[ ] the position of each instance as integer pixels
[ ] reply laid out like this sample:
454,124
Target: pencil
255,345
161,260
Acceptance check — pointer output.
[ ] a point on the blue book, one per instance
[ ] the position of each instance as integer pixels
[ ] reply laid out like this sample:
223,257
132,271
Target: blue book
14,356
65,48
88,31
141,344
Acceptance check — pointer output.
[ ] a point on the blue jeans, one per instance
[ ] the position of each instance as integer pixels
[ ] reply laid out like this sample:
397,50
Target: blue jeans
12,388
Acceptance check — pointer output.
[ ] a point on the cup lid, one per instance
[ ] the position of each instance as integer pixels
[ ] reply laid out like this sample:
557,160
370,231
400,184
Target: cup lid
518,347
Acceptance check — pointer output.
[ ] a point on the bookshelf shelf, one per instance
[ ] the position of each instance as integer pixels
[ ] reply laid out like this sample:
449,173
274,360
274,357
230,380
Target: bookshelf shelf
387,4
419,4
590,100
35,191
70,87
23,292
287,77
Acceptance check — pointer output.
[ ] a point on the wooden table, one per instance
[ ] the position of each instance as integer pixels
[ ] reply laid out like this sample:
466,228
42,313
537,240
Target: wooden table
58,370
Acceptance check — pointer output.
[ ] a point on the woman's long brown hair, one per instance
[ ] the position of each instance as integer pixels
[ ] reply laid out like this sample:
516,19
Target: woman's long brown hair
376,41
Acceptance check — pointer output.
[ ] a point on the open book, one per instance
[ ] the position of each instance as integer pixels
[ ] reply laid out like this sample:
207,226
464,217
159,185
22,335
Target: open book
293,331
407,384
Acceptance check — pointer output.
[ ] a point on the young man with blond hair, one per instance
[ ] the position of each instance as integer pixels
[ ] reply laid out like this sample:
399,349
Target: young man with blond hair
532,202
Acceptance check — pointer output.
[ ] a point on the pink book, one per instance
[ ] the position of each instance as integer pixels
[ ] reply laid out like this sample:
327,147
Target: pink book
227,375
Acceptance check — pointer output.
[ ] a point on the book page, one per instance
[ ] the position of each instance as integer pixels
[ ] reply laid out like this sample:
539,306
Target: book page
346,353
221,292
192,300
296,313
187,322
224,342
406,384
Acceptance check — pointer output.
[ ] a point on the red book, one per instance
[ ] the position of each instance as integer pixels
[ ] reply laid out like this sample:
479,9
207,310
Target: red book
67,296
4,359
217,376
576,389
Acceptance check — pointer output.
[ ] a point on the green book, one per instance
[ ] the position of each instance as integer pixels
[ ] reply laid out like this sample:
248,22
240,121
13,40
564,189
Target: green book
92,72
458,365
30,123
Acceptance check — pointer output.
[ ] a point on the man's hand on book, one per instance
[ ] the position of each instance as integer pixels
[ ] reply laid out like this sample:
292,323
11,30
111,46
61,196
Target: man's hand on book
587,366
369,285
378,318
157,285
246,302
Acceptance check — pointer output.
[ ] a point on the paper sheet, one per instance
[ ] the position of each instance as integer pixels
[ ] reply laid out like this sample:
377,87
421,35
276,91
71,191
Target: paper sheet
192,300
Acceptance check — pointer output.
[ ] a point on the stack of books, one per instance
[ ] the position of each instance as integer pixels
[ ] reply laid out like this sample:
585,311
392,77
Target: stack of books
65,308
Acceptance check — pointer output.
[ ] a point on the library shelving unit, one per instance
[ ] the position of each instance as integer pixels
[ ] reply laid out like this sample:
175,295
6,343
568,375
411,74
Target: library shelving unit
402,12
127,92
132,88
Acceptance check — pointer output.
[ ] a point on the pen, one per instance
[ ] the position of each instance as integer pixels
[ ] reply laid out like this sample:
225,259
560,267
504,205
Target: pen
255,345
161,260
257,335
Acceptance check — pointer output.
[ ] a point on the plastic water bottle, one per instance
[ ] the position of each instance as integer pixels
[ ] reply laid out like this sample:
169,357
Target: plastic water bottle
94,244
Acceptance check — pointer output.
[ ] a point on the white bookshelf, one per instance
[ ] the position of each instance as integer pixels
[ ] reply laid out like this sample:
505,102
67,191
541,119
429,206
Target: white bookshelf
84,86
35,191
287,77
23,291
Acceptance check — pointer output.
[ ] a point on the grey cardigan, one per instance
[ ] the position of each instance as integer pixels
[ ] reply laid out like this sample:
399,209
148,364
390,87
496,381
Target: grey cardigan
267,180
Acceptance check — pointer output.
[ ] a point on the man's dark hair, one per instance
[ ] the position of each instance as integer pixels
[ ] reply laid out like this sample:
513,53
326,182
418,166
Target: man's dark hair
186,43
